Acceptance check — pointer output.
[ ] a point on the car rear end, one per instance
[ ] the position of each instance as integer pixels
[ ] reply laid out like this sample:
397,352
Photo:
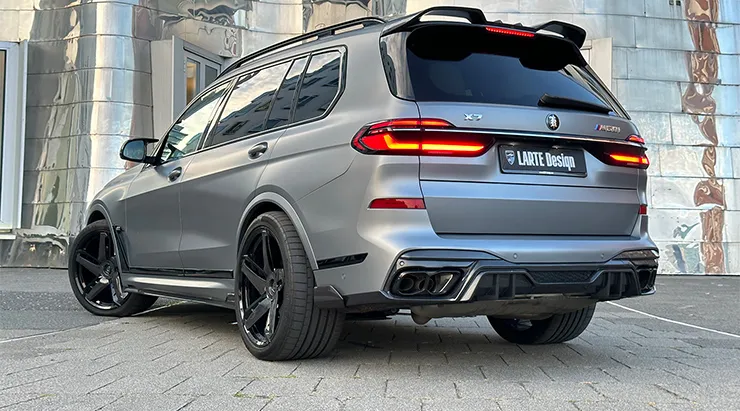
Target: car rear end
531,179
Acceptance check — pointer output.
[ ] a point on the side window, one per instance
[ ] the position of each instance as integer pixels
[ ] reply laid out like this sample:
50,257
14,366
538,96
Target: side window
246,110
319,87
280,114
184,136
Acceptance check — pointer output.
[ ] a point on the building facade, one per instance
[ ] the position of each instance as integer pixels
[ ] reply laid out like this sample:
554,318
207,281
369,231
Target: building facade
79,77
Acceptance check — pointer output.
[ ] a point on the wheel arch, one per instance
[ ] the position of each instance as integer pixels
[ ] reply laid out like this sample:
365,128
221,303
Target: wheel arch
270,201
96,212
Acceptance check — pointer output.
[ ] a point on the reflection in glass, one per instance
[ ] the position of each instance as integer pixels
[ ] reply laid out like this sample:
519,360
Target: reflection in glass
246,111
320,86
211,74
184,136
192,72
280,113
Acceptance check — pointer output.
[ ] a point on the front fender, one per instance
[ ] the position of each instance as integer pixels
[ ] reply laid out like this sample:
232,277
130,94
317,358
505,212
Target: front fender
285,205
99,206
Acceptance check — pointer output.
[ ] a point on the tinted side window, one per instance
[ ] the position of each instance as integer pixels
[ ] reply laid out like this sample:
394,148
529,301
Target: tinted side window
319,87
280,114
185,135
246,110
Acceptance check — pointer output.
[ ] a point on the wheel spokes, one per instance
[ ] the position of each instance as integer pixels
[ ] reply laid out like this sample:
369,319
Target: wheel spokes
271,318
251,264
257,311
96,289
258,282
266,254
103,247
89,263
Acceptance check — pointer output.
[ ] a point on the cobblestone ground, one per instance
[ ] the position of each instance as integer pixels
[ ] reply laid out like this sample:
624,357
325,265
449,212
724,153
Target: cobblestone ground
190,357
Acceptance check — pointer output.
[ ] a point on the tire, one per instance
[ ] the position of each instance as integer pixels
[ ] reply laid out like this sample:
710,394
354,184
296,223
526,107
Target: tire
84,254
554,330
301,330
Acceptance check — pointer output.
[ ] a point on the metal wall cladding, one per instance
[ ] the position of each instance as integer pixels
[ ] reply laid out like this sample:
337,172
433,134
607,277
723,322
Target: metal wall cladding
90,89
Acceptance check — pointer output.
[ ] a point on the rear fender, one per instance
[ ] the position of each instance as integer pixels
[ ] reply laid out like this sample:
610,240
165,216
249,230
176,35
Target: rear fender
286,206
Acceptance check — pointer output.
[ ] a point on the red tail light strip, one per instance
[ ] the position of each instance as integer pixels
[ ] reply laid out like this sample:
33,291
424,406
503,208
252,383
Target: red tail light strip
398,203
419,137
643,209
509,32
630,160
636,139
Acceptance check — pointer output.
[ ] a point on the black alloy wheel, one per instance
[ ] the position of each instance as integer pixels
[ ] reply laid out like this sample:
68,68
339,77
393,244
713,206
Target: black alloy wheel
262,292
274,289
95,276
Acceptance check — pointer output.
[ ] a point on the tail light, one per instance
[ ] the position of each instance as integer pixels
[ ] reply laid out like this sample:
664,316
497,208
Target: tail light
420,137
636,139
629,160
398,203
643,209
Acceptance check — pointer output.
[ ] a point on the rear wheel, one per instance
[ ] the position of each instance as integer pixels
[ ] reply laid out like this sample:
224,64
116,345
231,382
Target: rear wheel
556,329
274,288
95,277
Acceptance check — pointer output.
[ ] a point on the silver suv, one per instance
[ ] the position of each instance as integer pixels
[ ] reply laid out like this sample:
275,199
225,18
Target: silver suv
439,163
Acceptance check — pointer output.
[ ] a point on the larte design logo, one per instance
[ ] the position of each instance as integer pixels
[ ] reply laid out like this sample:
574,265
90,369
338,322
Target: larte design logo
510,156
540,159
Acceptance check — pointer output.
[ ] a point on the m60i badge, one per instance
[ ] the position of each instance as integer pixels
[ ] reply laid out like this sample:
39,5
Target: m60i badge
608,129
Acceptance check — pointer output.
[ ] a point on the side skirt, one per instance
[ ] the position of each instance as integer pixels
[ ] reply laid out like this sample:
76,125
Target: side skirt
212,291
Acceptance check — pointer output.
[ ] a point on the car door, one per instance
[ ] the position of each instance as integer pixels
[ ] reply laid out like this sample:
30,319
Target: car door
152,203
222,177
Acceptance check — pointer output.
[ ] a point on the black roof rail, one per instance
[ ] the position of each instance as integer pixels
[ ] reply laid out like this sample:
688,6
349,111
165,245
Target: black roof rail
475,16
571,32
322,32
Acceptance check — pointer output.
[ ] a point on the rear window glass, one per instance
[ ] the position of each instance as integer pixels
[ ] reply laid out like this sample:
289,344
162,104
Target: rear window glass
490,69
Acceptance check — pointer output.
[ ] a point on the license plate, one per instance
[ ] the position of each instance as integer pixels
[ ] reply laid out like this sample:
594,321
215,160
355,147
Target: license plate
541,160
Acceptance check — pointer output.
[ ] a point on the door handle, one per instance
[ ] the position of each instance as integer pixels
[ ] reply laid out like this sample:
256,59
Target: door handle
257,150
175,174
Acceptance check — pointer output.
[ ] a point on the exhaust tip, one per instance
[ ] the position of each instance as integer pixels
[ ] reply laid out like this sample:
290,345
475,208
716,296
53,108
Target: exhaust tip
423,283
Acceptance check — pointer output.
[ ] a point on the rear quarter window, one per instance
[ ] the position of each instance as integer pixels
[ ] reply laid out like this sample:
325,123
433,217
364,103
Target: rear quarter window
320,86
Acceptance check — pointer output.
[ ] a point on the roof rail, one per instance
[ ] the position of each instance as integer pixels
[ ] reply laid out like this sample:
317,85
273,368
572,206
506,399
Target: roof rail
323,32
475,16
571,32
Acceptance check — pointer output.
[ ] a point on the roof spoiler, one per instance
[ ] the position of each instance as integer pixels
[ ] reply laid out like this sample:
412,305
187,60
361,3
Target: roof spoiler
569,31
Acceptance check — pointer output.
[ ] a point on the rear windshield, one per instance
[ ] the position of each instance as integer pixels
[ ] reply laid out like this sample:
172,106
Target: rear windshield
488,68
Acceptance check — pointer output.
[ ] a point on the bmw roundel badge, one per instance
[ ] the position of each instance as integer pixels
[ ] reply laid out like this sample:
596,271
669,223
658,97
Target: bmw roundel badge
553,122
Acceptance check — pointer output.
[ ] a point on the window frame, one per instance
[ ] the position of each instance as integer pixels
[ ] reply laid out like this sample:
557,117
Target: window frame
13,136
247,75
159,148
337,95
342,49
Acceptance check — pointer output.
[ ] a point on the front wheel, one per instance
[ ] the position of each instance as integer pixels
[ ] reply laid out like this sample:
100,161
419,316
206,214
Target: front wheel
557,329
95,277
274,288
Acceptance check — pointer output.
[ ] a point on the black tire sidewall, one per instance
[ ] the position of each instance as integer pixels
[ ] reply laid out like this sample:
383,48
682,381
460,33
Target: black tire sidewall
292,259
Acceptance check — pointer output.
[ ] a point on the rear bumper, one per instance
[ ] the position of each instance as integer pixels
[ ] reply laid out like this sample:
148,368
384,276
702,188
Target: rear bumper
479,278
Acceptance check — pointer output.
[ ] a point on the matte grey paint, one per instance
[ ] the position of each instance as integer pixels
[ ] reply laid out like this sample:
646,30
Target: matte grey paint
311,172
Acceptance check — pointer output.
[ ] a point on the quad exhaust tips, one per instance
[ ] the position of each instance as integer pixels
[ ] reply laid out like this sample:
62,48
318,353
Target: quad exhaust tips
423,283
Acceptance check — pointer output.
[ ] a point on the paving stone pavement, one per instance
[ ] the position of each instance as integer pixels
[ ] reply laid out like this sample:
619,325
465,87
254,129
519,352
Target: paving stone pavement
190,357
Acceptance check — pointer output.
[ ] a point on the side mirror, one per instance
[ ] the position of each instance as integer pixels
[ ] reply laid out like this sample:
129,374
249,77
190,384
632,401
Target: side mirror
135,150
